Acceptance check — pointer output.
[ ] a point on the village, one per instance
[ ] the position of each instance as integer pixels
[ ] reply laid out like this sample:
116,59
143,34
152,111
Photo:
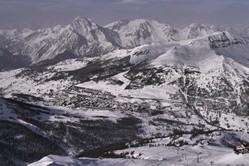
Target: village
79,97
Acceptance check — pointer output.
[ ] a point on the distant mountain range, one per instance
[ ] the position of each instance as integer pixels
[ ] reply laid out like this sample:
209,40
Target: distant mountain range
84,38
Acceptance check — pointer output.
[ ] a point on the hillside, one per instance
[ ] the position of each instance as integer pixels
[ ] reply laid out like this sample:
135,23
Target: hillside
142,96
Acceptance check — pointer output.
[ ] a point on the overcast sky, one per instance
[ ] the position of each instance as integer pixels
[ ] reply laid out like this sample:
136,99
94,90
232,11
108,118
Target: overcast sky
43,13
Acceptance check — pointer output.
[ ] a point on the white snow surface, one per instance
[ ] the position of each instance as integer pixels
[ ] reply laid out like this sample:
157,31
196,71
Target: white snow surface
193,30
166,156
141,31
211,63
68,161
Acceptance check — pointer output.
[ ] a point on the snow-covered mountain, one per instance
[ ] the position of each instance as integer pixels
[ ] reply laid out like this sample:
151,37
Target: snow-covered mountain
194,30
82,37
141,31
151,91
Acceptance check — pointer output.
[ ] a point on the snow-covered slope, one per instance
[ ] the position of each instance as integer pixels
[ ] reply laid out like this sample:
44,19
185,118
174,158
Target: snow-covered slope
192,31
210,62
170,156
67,161
82,37
140,31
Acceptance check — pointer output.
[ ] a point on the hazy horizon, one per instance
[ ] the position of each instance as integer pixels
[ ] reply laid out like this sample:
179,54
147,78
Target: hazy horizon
37,14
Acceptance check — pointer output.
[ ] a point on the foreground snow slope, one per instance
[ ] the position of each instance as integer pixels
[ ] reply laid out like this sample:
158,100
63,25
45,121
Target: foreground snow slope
67,161
219,157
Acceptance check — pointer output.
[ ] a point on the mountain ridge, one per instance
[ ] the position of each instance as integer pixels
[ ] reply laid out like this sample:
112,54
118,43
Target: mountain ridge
83,37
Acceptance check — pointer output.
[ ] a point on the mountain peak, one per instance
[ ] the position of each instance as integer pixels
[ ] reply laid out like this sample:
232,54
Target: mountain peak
117,25
81,22
82,19
195,30
141,31
196,25
140,20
